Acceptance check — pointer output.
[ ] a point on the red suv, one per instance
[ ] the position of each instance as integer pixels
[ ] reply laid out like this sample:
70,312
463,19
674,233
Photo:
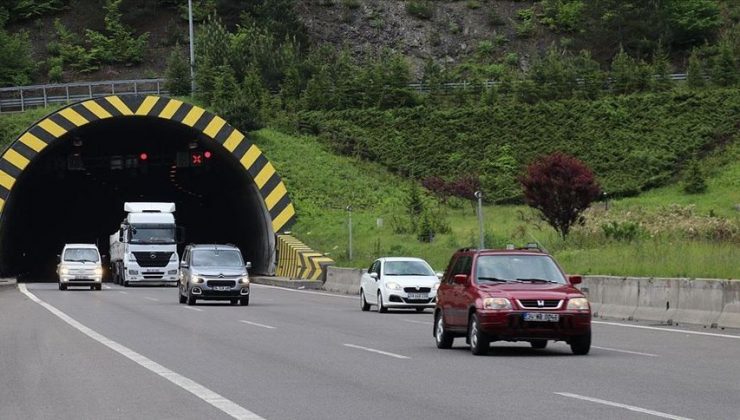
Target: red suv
510,295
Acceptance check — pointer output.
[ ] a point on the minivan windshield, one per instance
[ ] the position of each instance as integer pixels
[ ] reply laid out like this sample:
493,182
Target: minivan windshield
518,268
81,255
152,234
217,258
407,268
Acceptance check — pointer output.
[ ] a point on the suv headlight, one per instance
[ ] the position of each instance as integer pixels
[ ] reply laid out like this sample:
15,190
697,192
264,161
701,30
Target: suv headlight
393,285
496,303
244,280
578,304
198,280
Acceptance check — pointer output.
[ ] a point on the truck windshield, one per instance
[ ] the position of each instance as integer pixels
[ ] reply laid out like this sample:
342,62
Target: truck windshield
217,258
518,268
81,255
152,234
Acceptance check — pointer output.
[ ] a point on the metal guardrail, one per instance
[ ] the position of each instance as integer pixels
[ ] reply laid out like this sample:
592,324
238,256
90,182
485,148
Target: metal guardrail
18,99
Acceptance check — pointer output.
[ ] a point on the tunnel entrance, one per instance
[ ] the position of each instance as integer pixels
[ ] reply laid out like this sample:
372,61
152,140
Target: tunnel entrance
66,180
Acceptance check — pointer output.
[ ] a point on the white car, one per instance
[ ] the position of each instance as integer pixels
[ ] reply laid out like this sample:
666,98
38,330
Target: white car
399,282
80,265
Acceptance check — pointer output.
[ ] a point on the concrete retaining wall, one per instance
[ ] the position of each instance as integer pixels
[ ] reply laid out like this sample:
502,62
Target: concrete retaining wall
706,302
343,280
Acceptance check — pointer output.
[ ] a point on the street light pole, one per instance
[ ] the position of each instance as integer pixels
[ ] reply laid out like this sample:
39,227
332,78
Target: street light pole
349,224
192,47
479,196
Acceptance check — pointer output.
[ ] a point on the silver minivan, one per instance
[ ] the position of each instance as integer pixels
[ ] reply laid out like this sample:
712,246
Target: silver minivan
213,272
80,265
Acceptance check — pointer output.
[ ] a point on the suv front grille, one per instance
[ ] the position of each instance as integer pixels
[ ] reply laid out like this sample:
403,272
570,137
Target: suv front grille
417,290
153,259
535,303
228,283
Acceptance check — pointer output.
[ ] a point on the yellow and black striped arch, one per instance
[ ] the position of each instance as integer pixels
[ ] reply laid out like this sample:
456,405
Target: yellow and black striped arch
50,129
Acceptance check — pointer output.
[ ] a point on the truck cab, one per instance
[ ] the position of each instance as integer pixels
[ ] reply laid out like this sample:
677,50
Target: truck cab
144,249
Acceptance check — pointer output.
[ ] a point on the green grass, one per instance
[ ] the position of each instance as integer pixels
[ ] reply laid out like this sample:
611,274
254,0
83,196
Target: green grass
322,184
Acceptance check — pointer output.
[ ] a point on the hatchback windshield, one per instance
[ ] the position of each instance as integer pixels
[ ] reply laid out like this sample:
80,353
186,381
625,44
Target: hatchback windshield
407,268
518,268
217,258
81,254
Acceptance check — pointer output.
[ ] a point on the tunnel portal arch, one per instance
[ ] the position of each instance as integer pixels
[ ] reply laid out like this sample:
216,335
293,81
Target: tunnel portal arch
263,184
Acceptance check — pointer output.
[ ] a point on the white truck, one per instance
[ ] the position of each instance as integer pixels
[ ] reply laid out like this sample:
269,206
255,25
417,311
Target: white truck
144,249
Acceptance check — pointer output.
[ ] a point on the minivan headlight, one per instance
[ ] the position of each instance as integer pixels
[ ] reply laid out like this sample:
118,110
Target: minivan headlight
198,280
578,304
244,280
98,271
64,270
496,303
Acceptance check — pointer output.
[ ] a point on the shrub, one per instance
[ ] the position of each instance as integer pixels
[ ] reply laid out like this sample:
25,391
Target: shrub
560,187
625,231
420,9
694,182
177,74
16,63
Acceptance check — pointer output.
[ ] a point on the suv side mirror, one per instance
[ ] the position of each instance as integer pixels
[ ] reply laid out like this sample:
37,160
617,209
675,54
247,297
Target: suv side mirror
460,279
249,264
575,279
374,275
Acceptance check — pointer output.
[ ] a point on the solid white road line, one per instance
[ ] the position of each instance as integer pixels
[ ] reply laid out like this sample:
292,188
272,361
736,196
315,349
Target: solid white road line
309,292
625,351
397,356
625,406
737,337
258,324
413,321
193,309
227,406
151,298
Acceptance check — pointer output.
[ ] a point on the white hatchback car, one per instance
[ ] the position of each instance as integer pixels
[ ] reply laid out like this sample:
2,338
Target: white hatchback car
399,282
80,265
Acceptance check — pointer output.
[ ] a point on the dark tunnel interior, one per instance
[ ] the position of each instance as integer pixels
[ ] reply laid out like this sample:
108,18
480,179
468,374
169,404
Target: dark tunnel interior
74,191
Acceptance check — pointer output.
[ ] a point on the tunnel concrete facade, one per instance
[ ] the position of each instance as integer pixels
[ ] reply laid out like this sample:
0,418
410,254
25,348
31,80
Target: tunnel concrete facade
268,196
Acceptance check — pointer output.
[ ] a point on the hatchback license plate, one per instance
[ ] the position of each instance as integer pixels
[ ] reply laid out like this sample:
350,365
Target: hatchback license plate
220,288
530,316
418,296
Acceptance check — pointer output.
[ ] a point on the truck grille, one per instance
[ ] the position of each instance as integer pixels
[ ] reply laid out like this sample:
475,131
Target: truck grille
415,290
535,303
228,283
153,259
153,275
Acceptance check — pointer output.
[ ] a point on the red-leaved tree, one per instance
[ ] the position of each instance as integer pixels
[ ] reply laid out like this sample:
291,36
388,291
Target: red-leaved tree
561,187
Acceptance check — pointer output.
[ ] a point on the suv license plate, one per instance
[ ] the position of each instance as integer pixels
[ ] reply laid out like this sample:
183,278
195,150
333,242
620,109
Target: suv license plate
418,296
530,316
221,288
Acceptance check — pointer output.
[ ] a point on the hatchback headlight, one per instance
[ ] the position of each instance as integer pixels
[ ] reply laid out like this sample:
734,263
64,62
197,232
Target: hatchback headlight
578,304
244,280
496,303
393,285
198,280
436,286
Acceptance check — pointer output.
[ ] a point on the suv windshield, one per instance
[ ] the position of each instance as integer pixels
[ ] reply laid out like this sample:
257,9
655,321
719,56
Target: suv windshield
152,234
518,268
407,268
81,254
217,258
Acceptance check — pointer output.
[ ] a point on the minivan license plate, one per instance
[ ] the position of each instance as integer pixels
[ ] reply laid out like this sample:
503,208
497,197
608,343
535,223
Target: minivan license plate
221,288
542,317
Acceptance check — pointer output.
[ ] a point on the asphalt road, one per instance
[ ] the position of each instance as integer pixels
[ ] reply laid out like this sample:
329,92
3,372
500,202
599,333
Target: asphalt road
137,353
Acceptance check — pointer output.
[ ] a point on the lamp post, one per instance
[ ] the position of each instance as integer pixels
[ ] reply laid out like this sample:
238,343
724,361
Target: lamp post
192,47
479,196
349,224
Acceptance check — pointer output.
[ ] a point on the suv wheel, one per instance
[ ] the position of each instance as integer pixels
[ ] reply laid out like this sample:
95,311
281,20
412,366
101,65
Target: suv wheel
538,344
381,308
441,336
479,343
363,303
581,345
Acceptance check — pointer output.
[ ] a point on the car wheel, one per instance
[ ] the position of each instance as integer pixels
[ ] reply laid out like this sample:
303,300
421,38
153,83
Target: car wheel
125,283
538,344
479,343
441,336
191,299
581,345
244,301
363,302
381,308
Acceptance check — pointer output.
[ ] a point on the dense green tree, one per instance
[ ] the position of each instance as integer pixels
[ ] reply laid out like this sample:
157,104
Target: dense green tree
177,74
695,71
629,75
694,182
725,69
16,63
